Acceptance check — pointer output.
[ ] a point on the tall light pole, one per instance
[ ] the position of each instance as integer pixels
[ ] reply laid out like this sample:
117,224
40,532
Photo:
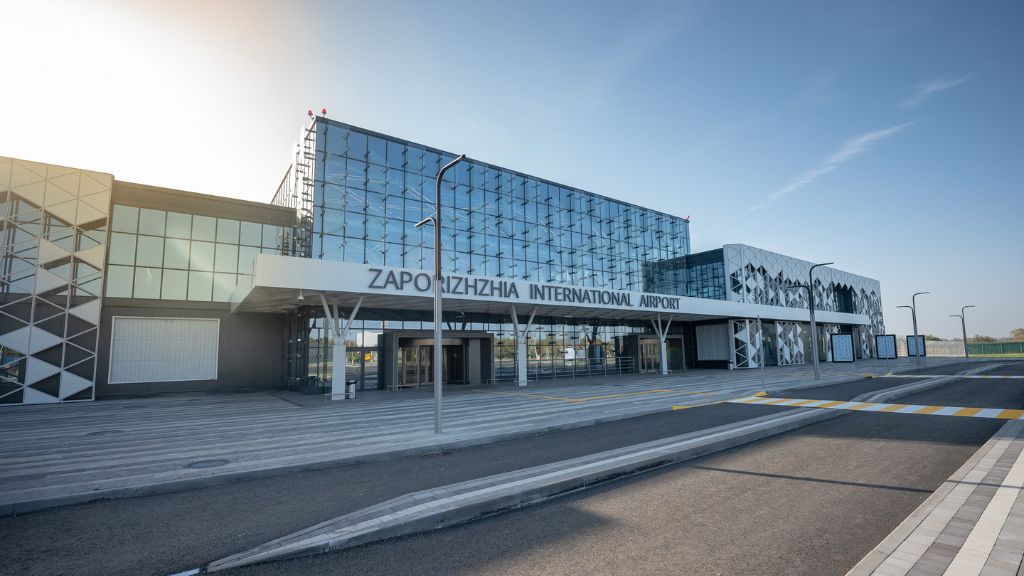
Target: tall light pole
913,316
436,221
810,306
963,324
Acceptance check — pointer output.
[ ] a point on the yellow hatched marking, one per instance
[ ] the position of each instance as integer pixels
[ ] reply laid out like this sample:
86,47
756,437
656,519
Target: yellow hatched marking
1000,413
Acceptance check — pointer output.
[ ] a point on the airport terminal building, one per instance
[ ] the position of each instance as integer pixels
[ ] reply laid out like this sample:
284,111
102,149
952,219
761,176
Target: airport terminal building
113,288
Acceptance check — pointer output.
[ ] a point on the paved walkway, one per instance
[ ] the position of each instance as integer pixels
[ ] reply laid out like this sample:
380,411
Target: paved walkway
61,454
972,525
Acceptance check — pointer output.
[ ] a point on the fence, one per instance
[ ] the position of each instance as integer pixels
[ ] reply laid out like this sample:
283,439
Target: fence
956,347
996,348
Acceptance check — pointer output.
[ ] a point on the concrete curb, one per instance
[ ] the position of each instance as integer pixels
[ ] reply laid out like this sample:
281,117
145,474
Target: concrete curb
217,479
466,501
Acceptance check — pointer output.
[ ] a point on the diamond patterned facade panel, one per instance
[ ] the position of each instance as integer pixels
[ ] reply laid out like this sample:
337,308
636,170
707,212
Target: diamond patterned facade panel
54,229
758,276
789,341
747,343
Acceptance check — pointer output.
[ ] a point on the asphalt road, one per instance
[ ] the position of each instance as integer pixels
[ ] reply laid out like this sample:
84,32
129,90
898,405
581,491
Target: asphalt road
167,533
812,501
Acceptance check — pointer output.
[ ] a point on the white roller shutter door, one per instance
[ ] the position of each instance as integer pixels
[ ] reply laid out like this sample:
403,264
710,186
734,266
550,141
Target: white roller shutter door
163,349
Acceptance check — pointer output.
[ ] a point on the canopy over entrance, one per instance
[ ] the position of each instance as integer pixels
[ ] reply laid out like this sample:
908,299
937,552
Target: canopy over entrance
283,283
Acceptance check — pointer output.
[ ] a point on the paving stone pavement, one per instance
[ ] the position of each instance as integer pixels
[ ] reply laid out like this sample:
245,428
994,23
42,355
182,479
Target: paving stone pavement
972,525
54,455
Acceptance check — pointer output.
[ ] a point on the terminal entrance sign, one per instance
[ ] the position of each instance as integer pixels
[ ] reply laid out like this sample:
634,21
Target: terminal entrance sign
513,291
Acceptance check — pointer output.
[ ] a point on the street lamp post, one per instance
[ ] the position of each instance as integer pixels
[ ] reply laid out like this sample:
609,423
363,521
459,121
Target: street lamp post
913,316
963,324
436,221
810,306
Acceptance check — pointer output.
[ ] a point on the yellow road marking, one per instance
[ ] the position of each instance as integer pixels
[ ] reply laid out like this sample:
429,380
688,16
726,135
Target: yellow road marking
1010,414
967,411
576,400
621,395
894,407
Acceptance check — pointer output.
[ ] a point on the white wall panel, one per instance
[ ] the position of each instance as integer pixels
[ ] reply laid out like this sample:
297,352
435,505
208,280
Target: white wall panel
163,349
713,342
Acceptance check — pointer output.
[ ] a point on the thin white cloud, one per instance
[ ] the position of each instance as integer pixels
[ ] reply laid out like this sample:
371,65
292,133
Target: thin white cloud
849,150
926,89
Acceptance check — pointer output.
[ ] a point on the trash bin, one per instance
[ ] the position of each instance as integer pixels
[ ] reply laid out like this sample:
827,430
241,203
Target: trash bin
731,366
350,389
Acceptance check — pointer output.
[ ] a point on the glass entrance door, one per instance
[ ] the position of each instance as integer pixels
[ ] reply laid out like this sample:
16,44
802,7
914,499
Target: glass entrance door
453,367
415,362
650,356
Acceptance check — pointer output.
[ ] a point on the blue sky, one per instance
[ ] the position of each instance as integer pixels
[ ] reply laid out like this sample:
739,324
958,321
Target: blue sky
885,136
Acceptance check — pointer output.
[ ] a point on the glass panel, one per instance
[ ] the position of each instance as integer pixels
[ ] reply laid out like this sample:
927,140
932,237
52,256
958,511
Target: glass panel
176,253
204,228
178,225
119,281
223,284
378,150
246,254
227,258
271,236
201,257
147,283
227,231
122,248
252,234
200,286
357,145
126,218
150,251
174,284
396,154
152,221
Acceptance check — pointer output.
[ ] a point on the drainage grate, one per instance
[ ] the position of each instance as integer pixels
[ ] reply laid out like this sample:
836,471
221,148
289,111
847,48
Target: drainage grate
104,432
206,463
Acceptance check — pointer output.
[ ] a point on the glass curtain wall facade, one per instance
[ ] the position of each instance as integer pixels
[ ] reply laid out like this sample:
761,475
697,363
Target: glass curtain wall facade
359,194
370,190
165,255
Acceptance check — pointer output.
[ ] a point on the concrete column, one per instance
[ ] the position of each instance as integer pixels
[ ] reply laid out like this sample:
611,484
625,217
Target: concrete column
522,359
338,377
662,333
338,327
